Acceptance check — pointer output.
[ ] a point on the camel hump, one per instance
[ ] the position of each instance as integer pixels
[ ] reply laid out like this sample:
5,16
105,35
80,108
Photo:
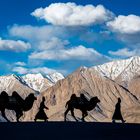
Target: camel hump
4,97
4,94
15,96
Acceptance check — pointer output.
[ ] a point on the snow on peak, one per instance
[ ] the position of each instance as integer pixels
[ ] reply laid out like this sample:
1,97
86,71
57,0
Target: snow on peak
54,77
37,81
34,76
127,68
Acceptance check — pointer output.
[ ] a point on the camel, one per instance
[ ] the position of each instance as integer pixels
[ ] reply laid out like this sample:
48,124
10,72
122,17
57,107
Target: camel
84,106
16,103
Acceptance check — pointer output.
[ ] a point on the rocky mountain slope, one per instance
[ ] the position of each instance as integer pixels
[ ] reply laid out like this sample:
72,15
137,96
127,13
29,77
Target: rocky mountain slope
90,82
134,86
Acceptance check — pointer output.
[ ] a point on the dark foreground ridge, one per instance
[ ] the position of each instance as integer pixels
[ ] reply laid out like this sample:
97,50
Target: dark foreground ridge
69,131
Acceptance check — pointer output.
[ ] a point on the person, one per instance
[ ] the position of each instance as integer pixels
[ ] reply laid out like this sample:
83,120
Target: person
41,114
117,113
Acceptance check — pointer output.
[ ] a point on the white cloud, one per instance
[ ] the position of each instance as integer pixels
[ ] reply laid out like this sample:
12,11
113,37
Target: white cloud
20,64
36,33
53,43
12,45
43,70
75,53
70,14
50,43
125,52
125,24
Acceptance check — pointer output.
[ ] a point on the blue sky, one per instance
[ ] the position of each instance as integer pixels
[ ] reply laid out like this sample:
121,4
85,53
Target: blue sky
49,35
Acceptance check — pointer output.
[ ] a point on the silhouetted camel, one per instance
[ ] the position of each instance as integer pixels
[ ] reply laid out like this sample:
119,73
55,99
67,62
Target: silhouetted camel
117,113
82,104
16,103
41,113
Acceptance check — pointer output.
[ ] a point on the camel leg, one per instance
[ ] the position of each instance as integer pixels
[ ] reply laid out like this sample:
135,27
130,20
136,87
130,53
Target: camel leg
65,114
18,115
3,114
84,114
45,120
113,121
72,113
35,119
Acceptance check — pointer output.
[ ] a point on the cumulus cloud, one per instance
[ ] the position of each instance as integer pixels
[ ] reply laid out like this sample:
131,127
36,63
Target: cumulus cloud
53,43
125,24
12,45
75,53
124,52
70,14
43,70
36,33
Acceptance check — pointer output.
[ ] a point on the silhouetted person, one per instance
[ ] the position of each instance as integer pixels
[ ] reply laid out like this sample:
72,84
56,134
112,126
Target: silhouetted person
41,113
73,100
117,113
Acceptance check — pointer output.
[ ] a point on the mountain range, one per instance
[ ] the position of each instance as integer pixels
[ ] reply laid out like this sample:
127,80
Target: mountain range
119,78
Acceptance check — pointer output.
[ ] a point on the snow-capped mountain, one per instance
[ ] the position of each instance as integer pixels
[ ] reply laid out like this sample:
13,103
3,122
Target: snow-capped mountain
120,70
35,82
39,82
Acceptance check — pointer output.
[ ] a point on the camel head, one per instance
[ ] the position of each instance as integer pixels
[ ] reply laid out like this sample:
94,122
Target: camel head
28,103
95,100
32,97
